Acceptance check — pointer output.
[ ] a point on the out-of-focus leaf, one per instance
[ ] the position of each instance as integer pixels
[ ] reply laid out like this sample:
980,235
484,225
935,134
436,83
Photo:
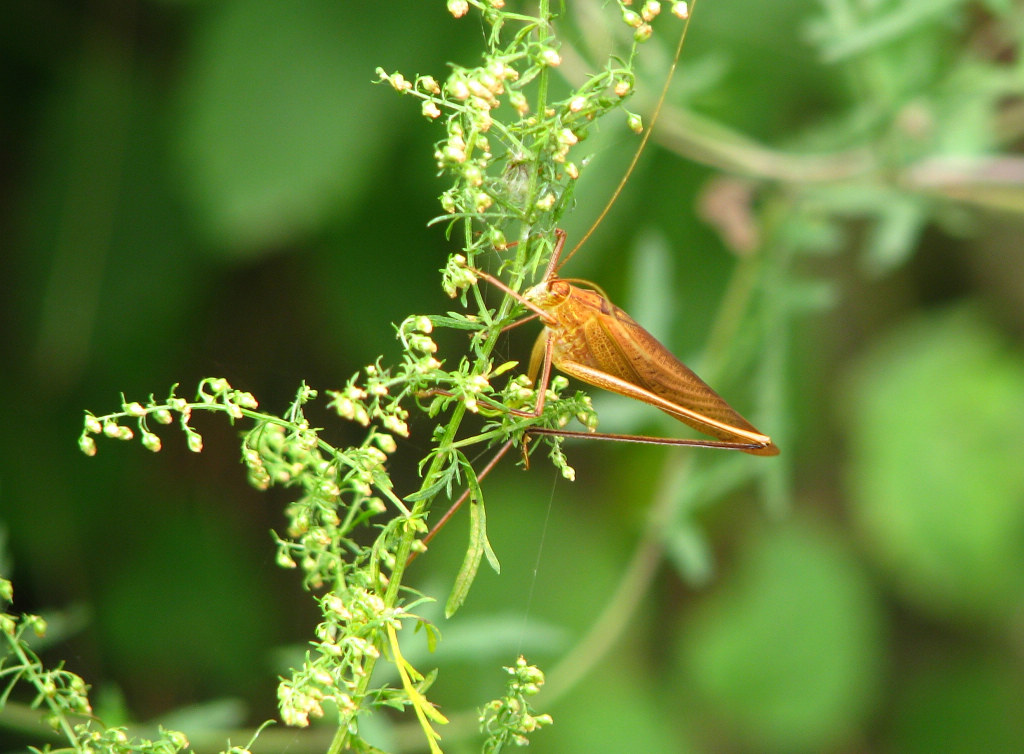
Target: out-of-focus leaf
897,219
842,35
150,606
105,271
893,238
216,715
278,117
786,656
612,712
936,474
959,705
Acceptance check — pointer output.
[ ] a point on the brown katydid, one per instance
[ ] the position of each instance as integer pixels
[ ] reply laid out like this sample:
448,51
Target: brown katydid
587,337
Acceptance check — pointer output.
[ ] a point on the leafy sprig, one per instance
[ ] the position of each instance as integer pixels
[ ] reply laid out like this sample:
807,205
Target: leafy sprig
509,151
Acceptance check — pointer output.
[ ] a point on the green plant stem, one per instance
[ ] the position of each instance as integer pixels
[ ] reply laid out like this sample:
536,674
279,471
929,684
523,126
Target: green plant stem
448,441
393,592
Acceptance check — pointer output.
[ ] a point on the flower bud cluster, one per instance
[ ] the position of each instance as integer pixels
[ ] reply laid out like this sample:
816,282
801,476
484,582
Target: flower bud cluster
299,702
373,401
519,392
640,20
457,276
414,332
560,462
511,719
471,389
213,393
542,136
336,483
64,695
286,455
355,620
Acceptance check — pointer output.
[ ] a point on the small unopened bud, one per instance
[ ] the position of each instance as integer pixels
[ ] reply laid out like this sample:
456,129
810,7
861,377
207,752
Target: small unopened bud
400,83
219,385
483,201
518,101
87,445
453,153
423,344
386,443
551,57
546,202
497,239
458,89
396,425
473,175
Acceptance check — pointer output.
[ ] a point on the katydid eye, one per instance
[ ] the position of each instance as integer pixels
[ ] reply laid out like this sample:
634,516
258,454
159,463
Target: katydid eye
558,289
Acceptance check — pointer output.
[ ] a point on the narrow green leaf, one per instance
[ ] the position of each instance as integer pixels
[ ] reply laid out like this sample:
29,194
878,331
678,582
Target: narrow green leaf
428,491
503,368
478,546
470,564
479,522
455,321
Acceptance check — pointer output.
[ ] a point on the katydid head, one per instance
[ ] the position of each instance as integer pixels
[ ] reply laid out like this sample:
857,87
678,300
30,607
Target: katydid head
547,296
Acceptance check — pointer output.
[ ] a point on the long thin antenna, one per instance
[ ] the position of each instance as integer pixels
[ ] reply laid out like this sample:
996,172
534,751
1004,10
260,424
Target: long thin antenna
643,142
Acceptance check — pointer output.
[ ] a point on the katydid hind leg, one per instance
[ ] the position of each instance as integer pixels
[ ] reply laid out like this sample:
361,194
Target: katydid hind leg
648,440
737,438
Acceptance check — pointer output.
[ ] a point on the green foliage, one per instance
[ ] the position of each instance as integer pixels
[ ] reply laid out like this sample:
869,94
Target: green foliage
207,188
934,478
789,658
524,182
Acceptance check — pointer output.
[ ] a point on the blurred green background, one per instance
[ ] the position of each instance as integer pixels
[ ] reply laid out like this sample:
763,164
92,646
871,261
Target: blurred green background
214,188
